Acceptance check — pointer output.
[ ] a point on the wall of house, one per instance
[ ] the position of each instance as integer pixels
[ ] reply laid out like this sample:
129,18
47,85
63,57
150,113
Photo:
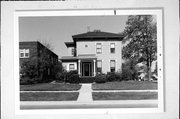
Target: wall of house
36,50
32,46
66,65
70,51
89,47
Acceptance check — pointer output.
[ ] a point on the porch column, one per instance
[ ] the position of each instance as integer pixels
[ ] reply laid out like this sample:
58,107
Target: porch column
94,67
79,65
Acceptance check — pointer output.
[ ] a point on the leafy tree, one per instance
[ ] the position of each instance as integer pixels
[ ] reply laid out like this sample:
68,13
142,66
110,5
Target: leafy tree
140,40
130,70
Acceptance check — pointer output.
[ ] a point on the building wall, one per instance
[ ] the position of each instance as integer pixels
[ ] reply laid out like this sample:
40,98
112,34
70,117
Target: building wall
36,49
70,51
66,65
32,46
89,47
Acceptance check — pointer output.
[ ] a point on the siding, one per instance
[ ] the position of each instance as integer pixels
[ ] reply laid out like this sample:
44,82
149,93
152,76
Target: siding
106,56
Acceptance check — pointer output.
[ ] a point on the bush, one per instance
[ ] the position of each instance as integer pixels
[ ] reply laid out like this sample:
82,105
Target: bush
29,81
68,74
129,70
113,76
100,78
74,78
60,76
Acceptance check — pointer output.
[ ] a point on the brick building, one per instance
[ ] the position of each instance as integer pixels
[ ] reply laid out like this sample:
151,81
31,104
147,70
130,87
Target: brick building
37,52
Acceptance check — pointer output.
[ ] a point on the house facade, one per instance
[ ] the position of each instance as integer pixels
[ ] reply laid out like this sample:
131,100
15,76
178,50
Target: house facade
94,52
36,52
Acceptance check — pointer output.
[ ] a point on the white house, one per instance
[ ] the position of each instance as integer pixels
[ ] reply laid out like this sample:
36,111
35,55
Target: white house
94,52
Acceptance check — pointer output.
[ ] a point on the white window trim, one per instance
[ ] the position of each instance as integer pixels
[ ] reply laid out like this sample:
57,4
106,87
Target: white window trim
101,48
24,51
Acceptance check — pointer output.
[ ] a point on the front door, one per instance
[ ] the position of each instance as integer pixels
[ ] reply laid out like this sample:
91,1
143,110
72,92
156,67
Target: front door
87,69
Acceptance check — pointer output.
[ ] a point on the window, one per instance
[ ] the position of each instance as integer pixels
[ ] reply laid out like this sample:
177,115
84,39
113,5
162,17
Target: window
71,66
24,53
112,65
112,49
98,48
99,66
72,51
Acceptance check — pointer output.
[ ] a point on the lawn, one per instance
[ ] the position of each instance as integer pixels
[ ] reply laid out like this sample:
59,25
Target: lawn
50,87
124,95
126,85
49,96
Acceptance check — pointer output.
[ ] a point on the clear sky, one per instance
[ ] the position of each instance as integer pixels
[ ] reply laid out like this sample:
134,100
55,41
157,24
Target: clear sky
57,30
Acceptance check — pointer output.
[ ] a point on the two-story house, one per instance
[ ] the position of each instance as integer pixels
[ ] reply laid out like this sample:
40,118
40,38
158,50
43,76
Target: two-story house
34,50
94,52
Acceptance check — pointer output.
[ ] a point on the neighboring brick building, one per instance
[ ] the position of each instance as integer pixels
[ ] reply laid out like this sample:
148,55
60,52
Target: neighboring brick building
34,50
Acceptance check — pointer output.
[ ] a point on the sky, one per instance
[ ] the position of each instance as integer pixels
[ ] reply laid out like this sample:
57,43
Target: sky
59,29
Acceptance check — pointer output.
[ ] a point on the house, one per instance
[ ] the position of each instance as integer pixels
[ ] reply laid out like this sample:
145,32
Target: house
35,51
94,52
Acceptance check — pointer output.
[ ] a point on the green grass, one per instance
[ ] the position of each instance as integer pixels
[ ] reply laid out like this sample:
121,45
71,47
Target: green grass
50,87
126,85
124,95
49,96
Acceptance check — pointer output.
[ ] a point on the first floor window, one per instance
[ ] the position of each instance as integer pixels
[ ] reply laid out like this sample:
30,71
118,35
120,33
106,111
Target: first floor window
24,53
99,66
71,66
112,65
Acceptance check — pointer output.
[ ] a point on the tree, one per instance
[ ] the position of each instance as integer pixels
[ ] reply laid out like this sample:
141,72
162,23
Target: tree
140,39
38,67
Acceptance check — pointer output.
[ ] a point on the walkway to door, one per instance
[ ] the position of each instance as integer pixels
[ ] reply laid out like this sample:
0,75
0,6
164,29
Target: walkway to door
85,93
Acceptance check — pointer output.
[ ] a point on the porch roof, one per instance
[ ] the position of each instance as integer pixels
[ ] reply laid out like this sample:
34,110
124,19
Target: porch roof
84,56
87,56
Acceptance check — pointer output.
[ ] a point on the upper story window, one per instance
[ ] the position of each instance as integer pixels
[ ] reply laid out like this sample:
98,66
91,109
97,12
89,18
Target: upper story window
98,48
72,51
71,66
99,66
112,48
24,53
112,65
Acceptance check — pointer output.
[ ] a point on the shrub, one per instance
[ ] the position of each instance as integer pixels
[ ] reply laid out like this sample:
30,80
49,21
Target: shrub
100,78
61,76
74,78
68,74
129,70
113,76
29,81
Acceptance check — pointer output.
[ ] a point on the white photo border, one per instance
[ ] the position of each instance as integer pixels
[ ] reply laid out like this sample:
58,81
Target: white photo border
109,12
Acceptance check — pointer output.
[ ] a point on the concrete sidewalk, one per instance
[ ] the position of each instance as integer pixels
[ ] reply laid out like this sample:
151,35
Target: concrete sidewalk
85,93
92,104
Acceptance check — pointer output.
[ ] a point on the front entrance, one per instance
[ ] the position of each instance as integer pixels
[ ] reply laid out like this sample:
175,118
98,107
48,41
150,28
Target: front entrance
86,69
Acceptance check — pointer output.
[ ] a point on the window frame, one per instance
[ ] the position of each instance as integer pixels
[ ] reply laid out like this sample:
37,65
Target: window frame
111,48
72,51
111,67
70,69
99,68
99,49
25,53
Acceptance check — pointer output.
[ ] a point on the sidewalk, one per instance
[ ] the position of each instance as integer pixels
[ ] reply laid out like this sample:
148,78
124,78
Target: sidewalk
93,104
85,93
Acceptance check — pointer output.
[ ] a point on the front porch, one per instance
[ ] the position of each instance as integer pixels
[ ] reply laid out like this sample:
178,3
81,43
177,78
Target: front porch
87,65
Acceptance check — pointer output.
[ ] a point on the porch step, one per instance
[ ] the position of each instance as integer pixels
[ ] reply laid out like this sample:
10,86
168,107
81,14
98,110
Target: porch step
86,79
